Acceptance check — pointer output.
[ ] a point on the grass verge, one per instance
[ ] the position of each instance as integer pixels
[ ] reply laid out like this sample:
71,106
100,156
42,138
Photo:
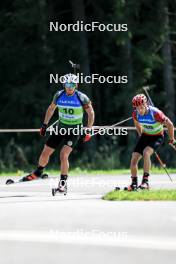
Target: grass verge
81,172
154,195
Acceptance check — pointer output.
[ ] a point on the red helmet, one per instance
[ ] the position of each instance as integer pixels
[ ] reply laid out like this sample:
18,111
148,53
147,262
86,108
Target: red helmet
139,99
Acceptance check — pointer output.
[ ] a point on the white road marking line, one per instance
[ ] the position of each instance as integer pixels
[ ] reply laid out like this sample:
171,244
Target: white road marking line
89,239
81,183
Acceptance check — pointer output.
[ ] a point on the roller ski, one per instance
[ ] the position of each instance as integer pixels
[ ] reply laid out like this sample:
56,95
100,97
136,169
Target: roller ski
29,177
128,188
62,188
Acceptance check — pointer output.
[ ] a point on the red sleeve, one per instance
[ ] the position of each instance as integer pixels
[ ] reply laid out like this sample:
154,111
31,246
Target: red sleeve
160,116
134,116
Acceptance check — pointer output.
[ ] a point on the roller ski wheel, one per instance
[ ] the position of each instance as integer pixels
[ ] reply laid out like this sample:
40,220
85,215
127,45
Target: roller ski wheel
9,181
117,188
44,176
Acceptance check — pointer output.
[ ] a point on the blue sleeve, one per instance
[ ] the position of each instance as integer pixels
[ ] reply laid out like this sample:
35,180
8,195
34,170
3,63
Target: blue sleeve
56,96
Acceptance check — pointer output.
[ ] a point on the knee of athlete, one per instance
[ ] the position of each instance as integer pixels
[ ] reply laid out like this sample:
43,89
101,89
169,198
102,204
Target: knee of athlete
134,162
45,154
63,155
146,154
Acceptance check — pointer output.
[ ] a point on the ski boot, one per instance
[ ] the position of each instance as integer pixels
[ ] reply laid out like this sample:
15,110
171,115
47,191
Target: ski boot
33,176
29,177
133,186
144,185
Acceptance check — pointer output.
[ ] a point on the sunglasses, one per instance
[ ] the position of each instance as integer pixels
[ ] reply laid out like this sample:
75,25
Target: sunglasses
70,85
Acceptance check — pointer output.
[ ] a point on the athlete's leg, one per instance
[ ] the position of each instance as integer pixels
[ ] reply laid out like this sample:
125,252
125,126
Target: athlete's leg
43,161
148,151
64,155
45,155
134,163
136,156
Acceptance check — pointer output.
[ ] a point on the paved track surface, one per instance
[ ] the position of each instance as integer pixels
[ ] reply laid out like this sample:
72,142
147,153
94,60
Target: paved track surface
82,228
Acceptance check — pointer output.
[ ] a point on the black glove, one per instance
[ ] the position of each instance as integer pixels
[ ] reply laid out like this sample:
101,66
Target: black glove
43,130
172,143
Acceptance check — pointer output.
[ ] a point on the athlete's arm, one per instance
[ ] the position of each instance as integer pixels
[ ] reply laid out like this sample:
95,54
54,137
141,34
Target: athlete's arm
49,113
163,119
138,127
168,123
91,115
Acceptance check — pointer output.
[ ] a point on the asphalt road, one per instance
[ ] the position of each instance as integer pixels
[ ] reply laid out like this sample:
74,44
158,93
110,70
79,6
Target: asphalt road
82,228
